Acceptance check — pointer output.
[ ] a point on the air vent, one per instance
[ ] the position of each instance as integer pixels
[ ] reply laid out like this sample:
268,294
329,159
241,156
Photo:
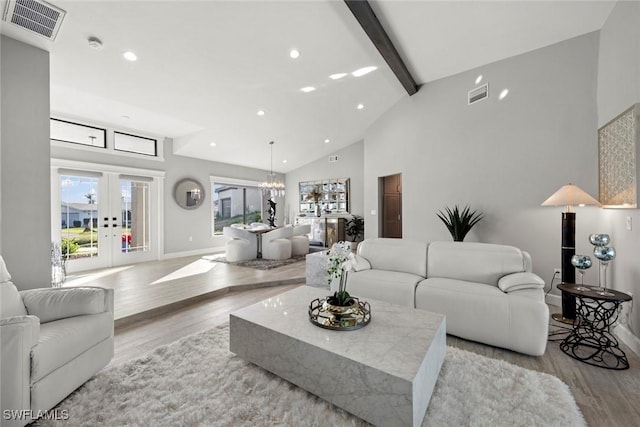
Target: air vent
333,159
478,94
39,17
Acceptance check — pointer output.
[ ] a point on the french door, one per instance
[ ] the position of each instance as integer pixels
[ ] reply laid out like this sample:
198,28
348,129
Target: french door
105,217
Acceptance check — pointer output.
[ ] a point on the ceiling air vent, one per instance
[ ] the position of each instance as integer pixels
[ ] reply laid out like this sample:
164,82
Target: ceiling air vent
478,94
333,159
38,17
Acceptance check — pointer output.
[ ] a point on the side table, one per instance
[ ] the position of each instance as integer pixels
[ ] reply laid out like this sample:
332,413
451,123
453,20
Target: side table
591,340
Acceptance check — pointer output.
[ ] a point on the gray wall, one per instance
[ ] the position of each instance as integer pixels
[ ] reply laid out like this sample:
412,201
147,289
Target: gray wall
501,157
25,231
179,224
618,89
349,165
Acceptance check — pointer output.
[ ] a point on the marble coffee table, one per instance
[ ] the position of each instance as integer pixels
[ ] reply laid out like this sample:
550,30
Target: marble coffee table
383,373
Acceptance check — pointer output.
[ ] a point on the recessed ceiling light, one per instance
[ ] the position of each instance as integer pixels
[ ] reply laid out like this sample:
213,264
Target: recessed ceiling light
326,141
294,54
130,56
337,76
479,79
284,161
261,113
360,106
362,71
503,94
212,144
308,89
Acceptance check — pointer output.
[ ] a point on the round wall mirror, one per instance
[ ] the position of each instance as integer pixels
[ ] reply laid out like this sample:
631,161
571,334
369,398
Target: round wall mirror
189,193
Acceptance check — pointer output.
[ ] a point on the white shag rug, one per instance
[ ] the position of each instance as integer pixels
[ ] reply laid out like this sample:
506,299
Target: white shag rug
197,381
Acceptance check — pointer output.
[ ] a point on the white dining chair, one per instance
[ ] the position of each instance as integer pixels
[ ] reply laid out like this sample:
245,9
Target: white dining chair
241,244
276,243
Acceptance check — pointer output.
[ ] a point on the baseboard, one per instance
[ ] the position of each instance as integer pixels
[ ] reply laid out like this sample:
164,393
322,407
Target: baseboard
627,337
552,299
207,251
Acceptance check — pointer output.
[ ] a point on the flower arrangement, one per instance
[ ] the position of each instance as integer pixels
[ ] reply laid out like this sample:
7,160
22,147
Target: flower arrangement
315,194
339,263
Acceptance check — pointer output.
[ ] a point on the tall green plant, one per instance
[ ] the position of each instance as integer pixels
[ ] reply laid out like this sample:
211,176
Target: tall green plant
459,223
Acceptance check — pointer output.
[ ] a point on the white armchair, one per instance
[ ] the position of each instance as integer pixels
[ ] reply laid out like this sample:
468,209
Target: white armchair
241,246
276,243
300,240
53,340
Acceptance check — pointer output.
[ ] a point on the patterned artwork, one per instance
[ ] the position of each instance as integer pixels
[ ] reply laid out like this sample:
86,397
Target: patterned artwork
617,141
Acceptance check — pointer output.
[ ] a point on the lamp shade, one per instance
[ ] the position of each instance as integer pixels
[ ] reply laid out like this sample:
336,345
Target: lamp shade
570,195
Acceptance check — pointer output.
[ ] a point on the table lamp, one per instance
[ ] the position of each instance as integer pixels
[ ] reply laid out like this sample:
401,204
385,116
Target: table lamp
568,195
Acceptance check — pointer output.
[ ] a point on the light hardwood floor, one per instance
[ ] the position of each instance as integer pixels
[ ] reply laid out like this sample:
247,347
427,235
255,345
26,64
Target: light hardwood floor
605,397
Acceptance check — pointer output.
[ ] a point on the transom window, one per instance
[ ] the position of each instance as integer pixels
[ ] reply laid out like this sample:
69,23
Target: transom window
76,133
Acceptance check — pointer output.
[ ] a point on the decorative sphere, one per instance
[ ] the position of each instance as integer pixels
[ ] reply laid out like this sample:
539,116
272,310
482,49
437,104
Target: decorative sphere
604,253
581,262
599,239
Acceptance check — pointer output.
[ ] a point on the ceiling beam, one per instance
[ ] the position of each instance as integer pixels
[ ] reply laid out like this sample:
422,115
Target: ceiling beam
369,22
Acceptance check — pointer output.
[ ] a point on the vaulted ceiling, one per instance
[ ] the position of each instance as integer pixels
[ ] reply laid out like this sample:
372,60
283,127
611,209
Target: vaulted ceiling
205,68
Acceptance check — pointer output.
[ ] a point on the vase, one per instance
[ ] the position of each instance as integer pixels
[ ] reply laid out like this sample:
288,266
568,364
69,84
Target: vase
340,310
318,210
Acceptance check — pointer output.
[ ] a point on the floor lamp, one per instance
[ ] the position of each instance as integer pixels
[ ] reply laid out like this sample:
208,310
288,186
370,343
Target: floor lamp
568,195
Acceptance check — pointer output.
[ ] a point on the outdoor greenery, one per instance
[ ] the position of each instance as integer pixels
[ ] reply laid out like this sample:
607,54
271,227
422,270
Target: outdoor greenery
459,223
220,223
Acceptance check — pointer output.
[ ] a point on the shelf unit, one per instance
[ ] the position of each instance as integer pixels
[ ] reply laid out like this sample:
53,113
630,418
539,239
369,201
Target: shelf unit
335,196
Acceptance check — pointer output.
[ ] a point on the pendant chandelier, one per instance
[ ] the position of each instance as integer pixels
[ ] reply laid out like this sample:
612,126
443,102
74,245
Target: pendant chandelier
272,186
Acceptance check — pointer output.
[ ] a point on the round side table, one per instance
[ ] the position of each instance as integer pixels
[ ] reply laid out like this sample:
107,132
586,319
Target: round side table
591,340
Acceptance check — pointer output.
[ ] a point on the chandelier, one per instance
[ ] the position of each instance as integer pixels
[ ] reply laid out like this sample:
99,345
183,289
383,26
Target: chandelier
272,186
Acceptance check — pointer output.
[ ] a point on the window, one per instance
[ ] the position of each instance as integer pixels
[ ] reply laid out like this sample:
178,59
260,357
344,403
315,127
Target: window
76,133
135,144
235,204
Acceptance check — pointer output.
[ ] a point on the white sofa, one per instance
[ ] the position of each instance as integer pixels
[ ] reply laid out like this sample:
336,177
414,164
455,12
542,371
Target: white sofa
487,292
53,340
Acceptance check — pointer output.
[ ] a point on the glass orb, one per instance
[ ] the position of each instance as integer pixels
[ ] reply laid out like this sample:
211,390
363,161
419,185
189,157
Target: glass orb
581,262
604,253
599,239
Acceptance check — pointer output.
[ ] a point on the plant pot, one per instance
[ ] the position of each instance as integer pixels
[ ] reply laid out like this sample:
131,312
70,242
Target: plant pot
340,310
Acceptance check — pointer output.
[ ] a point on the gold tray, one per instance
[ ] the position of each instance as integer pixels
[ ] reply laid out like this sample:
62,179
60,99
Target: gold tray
359,318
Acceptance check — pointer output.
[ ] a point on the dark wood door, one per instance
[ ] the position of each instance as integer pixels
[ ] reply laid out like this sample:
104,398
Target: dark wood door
392,206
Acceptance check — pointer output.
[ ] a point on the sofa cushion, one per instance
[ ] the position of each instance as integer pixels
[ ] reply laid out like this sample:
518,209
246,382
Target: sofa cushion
395,255
383,285
10,301
63,340
473,262
474,311
54,304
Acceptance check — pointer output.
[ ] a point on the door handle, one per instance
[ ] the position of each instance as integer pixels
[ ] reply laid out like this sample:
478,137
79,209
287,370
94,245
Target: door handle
398,217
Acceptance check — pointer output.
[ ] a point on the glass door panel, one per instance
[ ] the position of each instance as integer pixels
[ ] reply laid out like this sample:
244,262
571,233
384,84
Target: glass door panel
80,210
136,216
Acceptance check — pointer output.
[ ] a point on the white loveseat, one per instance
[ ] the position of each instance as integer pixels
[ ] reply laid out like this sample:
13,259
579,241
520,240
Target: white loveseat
53,340
487,292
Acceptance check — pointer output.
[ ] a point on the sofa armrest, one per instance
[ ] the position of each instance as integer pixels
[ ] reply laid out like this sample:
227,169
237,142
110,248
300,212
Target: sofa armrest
51,304
360,263
517,281
18,334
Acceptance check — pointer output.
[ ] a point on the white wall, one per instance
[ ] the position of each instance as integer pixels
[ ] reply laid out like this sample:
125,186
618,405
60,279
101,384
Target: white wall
501,157
25,231
349,165
618,89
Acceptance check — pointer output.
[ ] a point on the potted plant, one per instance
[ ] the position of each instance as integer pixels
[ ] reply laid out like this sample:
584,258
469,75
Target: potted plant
459,223
354,228
339,263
